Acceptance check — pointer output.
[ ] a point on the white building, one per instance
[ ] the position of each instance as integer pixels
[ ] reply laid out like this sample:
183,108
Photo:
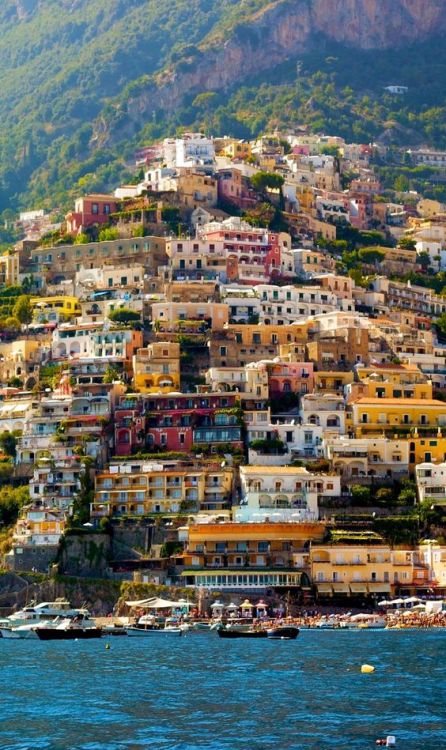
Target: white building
284,305
285,493
300,440
367,457
194,149
325,410
431,483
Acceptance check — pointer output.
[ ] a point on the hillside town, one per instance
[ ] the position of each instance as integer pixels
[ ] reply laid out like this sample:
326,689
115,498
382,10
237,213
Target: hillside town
230,375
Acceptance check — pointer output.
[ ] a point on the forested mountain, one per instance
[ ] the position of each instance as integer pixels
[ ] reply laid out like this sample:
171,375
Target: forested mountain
85,81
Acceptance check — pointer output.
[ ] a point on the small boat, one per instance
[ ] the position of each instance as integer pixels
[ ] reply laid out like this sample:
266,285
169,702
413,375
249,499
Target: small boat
285,633
152,625
138,631
240,633
67,633
114,630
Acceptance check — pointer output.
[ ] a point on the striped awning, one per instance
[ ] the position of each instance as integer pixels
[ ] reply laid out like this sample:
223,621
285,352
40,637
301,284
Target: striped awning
324,588
357,587
340,588
379,587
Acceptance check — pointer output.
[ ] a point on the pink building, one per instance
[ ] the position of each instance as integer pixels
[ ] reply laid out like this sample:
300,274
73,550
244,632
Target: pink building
253,255
290,377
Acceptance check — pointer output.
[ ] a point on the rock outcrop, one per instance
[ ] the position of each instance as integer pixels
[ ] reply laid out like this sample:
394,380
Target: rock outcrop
281,30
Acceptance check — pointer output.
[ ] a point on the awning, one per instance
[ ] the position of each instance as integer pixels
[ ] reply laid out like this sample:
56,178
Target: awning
379,588
358,588
324,588
340,588
157,603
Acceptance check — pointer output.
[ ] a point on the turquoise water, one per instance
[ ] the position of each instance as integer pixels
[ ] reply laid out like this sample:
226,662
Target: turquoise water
203,692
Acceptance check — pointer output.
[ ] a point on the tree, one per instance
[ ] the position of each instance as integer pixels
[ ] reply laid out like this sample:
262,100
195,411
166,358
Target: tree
424,260
11,326
15,382
125,316
441,323
85,496
81,239
407,243
111,375
371,255
263,180
22,309
8,443
384,496
12,501
360,495
108,234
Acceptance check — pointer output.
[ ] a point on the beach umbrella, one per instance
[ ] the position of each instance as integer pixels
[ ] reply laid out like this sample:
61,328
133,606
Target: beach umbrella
385,603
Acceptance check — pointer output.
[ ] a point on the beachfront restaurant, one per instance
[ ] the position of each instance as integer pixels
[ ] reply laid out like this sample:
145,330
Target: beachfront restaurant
254,580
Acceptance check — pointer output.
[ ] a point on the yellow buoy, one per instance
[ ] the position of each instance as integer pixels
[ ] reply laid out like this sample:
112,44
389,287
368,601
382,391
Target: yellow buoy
367,669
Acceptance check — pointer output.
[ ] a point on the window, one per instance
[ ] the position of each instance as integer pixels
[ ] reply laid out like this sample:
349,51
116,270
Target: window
263,546
94,208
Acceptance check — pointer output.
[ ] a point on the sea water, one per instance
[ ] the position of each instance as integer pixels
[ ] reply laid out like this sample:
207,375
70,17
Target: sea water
200,691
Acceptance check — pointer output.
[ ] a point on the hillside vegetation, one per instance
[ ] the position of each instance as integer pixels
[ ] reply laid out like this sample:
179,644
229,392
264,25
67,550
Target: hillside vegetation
71,72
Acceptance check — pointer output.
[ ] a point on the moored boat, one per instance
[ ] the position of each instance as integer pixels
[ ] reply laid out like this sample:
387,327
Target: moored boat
241,633
285,633
137,631
67,633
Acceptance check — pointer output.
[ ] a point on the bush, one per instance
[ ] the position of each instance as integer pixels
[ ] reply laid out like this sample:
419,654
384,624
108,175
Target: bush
360,495
384,496
124,316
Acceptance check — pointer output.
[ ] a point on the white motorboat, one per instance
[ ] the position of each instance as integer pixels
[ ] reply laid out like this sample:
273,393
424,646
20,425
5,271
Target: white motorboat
23,624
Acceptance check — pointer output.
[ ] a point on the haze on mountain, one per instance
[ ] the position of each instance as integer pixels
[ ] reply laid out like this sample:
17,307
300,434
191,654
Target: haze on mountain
85,82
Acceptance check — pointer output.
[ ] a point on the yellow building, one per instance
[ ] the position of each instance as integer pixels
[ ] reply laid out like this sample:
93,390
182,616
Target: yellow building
400,415
53,307
157,368
365,569
378,388
9,269
20,359
426,450
235,149
249,556
332,381
404,374
143,488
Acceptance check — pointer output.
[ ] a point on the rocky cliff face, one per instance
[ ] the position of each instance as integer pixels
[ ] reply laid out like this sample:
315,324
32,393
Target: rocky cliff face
284,28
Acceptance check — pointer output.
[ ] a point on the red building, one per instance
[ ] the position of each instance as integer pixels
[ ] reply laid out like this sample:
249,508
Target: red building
171,422
253,255
91,210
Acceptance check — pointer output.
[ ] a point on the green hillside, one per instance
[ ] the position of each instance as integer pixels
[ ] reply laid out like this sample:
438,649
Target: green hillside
69,66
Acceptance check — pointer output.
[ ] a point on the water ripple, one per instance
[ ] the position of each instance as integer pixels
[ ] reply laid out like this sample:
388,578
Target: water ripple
204,693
